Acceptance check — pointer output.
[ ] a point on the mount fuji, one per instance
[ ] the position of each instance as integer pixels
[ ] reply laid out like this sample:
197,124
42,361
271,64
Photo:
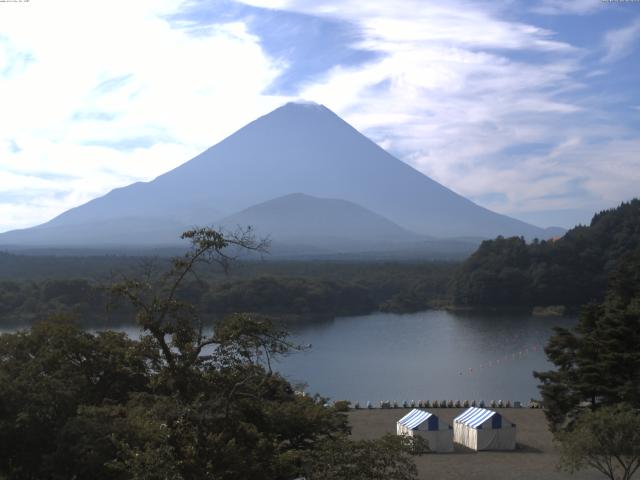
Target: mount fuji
298,167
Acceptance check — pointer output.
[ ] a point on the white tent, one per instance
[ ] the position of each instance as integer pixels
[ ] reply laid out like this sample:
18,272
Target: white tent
482,429
419,422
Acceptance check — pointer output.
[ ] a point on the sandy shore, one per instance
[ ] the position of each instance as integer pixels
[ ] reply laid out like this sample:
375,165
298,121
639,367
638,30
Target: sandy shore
535,458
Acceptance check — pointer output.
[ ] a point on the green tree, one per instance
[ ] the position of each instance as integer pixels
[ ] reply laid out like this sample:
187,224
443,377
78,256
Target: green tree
386,458
225,413
183,402
46,375
598,362
607,439
572,270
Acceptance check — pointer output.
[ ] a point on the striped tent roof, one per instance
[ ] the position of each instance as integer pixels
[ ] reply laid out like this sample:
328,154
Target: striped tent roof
414,418
474,416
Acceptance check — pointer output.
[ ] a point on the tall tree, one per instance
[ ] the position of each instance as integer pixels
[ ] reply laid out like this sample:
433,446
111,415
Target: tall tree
598,362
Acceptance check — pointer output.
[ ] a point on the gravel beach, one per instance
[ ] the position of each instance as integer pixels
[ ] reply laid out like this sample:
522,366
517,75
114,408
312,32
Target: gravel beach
536,457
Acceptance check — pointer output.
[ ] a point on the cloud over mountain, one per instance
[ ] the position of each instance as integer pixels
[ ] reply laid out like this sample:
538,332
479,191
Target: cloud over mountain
481,96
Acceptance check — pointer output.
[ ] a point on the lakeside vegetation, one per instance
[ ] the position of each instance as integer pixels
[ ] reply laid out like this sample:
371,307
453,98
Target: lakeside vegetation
592,396
178,403
502,273
81,287
598,361
572,270
183,404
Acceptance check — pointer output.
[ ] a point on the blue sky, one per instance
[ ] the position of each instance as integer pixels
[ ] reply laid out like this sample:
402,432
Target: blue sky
528,108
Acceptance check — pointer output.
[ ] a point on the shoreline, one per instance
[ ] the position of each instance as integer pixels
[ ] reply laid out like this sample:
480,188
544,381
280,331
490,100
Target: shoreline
348,405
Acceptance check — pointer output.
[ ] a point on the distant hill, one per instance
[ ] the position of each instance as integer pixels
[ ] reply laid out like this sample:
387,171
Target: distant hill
571,270
320,223
299,147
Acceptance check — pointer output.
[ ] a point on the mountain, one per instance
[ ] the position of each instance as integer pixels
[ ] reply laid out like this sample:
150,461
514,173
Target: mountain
321,224
299,147
129,231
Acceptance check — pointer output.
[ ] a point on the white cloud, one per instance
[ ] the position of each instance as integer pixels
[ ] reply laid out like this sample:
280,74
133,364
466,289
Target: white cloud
67,68
620,43
448,98
447,105
567,7
397,22
79,79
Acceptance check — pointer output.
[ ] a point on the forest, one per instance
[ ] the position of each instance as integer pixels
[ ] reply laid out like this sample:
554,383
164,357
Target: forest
503,273
81,287
572,270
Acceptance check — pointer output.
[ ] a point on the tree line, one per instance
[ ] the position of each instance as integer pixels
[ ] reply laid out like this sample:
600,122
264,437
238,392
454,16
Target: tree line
572,270
363,289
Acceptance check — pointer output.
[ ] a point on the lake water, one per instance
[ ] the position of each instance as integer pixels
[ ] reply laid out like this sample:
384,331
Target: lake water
431,355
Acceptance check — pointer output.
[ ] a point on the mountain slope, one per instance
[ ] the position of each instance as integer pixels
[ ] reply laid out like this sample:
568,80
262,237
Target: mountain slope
299,219
122,232
571,270
297,148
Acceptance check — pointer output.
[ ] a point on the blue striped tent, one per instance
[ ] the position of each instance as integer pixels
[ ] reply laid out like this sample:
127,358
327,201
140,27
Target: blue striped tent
483,429
426,424
416,417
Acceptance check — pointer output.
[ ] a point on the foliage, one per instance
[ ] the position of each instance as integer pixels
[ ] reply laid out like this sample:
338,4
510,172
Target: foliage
274,288
572,270
46,375
290,295
180,403
342,405
341,459
597,362
607,439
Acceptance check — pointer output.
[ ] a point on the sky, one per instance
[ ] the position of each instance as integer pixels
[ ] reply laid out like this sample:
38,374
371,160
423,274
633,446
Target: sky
529,108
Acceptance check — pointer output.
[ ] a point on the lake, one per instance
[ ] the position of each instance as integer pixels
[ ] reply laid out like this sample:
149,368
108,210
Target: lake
431,355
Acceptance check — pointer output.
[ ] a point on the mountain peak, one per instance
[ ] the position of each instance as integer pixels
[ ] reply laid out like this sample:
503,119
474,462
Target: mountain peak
302,103
300,147
302,107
